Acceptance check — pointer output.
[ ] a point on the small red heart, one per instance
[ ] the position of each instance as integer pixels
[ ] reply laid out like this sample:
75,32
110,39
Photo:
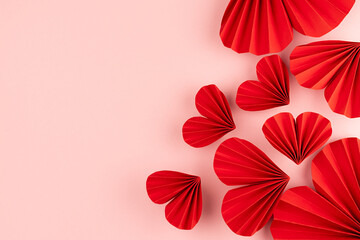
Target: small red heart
272,89
217,120
182,191
298,138
248,208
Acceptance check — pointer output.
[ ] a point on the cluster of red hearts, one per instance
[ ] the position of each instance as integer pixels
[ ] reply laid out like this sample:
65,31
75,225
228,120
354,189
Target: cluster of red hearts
332,210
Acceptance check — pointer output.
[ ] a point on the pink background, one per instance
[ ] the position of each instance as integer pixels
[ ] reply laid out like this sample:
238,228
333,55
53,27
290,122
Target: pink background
93,97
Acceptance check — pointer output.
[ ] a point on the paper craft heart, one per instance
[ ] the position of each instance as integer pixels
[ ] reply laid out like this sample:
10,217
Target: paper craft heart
272,89
217,120
333,65
297,139
248,208
331,213
262,27
182,191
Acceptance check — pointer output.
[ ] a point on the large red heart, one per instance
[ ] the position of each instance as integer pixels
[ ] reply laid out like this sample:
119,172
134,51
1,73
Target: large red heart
262,27
217,120
332,212
182,191
298,138
272,89
333,65
248,208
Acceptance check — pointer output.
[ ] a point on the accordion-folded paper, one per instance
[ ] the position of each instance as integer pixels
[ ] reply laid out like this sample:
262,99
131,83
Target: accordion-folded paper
217,121
248,208
272,89
262,27
333,65
298,138
332,212
182,191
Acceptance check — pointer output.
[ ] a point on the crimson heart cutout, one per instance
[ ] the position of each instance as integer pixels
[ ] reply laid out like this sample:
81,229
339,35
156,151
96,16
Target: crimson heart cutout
333,65
217,120
262,27
248,208
298,138
272,89
182,191
332,212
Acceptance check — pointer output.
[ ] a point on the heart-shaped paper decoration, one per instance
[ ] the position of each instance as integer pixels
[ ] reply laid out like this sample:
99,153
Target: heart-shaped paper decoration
262,27
298,138
217,120
332,212
335,66
182,191
248,208
302,213
272,89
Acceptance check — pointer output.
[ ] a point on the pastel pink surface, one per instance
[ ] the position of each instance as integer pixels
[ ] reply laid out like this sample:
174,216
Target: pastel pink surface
93,96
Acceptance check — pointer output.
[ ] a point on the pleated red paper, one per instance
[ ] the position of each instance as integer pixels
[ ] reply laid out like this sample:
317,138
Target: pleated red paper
182,191
332,212
262,27
248,208
272,89
333,65
299,138
217,120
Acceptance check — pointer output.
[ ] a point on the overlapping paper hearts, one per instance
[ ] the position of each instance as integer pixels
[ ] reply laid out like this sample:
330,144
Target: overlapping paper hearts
182,191
248,208
298,138
217,120
272,89
333,211
333,65
262,27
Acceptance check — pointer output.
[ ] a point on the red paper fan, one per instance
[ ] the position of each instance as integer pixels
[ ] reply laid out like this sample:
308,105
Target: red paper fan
317,17
336,175
272,89
304,214
262,27
298,138
256,26
248,208
217,120
333,211
332,65
182,191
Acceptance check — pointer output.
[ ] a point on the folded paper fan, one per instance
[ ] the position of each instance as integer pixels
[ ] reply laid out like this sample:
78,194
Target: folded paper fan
336,175
217,120
333,65
333,211
272,89
298,138
256,26
248,208
182,191
317,17
304,214
262,27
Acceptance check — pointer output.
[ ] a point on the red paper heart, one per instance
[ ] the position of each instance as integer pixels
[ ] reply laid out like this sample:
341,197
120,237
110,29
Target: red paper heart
332,212
262,27
217,120
182,191
298,138
272,89
248,208
333,65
